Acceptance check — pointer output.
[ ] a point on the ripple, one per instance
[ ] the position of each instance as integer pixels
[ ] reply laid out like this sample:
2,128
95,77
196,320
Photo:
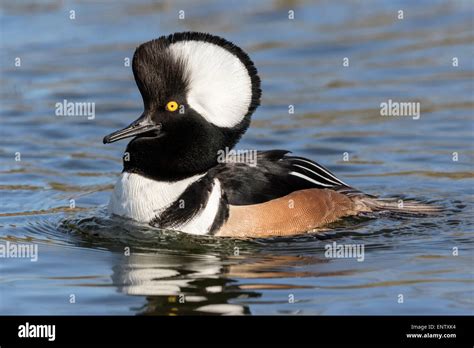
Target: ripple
116,266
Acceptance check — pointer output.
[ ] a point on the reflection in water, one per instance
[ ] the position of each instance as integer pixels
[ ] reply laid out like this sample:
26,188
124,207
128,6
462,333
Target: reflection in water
171,292
203,283
336,112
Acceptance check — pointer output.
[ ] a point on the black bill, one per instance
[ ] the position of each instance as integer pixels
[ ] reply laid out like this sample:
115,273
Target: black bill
141,126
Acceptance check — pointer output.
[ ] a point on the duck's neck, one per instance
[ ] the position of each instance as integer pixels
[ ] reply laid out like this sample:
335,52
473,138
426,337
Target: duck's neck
162,161
178,155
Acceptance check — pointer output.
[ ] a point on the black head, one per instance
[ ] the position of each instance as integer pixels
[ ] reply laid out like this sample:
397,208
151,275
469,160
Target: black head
199,92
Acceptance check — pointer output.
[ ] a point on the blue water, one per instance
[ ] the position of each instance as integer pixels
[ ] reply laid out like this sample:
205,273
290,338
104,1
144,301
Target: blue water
83,254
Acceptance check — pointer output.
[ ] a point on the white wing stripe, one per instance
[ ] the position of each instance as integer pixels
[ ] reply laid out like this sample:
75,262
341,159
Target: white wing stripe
325,171
309,179
319,175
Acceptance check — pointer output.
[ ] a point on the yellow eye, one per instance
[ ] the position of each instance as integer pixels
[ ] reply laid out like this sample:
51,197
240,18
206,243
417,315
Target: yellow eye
172,106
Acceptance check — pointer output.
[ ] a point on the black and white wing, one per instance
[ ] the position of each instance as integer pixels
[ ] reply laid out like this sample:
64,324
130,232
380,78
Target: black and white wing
312,172
275,175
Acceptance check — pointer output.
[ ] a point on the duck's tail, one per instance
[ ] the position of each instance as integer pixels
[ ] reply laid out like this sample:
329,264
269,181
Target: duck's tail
396,205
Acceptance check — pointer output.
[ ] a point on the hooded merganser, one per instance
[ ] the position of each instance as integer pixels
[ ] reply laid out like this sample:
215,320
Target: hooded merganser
199,92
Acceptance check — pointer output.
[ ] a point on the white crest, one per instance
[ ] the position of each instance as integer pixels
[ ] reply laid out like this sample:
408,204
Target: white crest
220,87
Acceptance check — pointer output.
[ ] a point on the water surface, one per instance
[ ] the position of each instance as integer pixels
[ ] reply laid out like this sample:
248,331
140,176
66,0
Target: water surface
113,266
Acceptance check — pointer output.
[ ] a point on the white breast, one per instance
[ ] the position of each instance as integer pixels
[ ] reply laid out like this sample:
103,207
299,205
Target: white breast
142,199
203,221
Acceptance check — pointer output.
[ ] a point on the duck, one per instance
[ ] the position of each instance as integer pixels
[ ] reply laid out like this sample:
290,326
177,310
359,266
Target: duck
181,171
